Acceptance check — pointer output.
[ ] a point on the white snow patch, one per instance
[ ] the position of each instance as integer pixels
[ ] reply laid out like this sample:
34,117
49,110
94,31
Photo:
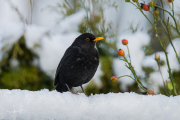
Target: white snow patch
45,104
8,14
11,32
70,23
33,35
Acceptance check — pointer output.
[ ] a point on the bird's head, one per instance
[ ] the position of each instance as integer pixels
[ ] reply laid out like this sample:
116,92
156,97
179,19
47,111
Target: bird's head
87,39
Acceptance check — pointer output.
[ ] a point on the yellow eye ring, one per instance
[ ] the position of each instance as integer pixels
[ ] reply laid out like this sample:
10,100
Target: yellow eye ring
87,39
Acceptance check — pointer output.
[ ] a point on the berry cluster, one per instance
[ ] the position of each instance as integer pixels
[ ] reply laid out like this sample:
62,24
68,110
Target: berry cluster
152,4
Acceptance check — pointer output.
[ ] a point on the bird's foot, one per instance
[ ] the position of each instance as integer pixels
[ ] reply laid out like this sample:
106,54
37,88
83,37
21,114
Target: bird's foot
84,91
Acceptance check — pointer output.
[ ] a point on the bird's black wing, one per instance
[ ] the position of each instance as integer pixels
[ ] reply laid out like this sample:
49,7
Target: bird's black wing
66,56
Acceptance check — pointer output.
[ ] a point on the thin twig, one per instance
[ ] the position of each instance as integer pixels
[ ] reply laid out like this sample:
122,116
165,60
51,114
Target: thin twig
162,79
142,12
163,11
136,78
68,4
167,60
129,53
169,36
172,17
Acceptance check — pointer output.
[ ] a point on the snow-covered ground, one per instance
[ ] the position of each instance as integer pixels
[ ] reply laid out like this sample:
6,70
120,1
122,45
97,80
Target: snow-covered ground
52,105
61,35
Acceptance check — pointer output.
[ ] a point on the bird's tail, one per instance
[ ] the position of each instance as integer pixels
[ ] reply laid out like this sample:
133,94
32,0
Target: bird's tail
61,87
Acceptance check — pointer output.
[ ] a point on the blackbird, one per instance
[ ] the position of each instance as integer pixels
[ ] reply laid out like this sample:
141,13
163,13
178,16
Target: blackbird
78,64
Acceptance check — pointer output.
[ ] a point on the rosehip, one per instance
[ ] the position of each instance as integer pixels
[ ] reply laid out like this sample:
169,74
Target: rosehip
145,7
151,92
170,0
121,52
157,57
156,13
114,79
135,0
124,42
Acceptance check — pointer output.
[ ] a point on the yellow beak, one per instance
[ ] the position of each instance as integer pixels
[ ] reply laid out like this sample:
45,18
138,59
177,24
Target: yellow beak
97,39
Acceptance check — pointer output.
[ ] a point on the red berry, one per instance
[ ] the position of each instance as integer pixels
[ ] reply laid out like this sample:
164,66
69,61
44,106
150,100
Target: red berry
170,0
145,7
156,13
124,42
121,52
151,92
114,79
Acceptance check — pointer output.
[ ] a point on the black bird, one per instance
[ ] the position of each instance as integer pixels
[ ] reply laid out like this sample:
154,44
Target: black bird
79,63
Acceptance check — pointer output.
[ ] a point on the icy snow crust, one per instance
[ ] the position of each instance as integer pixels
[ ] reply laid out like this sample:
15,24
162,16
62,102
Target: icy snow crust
48,105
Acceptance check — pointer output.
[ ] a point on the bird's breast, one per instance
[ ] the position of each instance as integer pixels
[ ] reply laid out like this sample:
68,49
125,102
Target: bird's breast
87,57
82,68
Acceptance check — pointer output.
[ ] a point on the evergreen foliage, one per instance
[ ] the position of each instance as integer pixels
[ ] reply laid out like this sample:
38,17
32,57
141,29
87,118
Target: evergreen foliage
18,71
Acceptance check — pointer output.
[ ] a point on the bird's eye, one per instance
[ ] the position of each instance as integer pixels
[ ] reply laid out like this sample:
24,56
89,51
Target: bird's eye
87,39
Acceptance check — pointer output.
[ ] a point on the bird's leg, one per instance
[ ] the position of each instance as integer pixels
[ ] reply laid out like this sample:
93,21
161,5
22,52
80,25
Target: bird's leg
70,90
83,91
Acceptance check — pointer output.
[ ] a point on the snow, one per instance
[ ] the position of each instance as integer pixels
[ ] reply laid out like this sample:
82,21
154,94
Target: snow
50,105
9,34
42,15
70,23
11,31
34,34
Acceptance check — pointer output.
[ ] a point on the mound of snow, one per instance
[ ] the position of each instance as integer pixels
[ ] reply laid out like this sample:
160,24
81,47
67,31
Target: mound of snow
51,105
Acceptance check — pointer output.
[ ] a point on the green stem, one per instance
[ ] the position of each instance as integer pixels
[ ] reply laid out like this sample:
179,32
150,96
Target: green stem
163,26
168,34
173,8
135,76
129,53
165,88
169,37
133,4
139,7
161,22
167,60
126,76
163,11
172,17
